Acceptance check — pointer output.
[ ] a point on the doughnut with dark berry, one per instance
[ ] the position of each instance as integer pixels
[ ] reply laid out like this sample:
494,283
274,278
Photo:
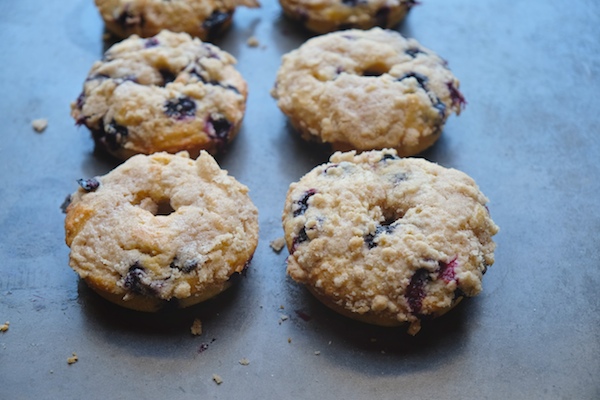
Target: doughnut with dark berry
161,229
205,19
367,90
388,240
170,92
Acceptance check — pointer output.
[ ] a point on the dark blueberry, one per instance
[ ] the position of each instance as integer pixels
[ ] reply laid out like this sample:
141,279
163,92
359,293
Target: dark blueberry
219,128
167,76
89,185
127,19
413,52
65,204
180,108
112,134
456,96
96,77
228,87
381,16
446,270
214,23
415,292
303,202
185,267
134,281
389,157
421,79
386,227
301,238
351,3
441,107
151,42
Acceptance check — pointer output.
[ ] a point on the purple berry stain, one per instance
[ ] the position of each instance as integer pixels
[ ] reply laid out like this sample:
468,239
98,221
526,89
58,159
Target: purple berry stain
219,129
456,96
303,202
446,271
89,185
180,108
134,281
301,238
304,316
415,292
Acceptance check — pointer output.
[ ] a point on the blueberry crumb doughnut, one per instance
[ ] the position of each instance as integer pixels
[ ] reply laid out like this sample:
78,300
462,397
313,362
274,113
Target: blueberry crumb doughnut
161,229
388,240
367,90
322,16
205,19
167,93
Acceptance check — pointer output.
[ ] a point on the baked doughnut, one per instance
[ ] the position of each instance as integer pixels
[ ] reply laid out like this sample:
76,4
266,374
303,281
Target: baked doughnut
161,229
322,16
165,93
205,19
388,240
366,90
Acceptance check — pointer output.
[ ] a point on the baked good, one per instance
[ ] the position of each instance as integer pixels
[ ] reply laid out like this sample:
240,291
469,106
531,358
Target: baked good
322,16
205,19
388,240
165,93
161,229
365,90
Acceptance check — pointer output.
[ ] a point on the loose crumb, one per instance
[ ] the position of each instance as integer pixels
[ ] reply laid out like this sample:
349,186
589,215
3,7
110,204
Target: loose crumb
281,307
252,41
277,244
196,328
73,359
218,380
317,353
4,327
282,318
39,125
289,340
244,361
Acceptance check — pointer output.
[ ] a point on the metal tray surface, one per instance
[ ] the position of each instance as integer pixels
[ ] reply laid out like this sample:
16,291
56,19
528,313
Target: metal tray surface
529,136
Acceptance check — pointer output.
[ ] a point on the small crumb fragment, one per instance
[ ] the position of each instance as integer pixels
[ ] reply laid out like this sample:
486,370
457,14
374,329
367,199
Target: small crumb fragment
277,244
289,340
317,353
196,328
244,361
282,318
4,327
73,359
218,380
39,125
252,41
281,307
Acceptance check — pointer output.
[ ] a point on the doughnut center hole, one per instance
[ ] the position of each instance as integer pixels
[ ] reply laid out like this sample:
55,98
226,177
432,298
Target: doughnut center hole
164,208
375,70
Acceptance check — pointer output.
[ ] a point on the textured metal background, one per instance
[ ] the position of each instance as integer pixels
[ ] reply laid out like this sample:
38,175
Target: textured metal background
530,136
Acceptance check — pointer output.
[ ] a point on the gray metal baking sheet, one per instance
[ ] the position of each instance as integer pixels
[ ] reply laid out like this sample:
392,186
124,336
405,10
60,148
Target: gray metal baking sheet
530,136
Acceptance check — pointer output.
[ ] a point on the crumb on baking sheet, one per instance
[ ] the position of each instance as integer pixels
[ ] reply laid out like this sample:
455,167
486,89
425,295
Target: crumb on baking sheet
252,41
277,244
289,340
244,361
218,380
196,327
4,326
39,125
282,318
73,359
317,353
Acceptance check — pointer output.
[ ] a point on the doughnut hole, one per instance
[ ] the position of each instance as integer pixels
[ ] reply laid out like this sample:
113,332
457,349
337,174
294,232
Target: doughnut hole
155,207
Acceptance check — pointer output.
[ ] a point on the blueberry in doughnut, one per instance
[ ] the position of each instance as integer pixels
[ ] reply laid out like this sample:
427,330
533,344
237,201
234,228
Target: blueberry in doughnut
388,240
167,93
161,229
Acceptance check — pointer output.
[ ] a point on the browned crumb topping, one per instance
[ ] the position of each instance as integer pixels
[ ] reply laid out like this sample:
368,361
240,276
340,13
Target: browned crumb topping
39,125
277,244
252,41
73,359
218,380
196,328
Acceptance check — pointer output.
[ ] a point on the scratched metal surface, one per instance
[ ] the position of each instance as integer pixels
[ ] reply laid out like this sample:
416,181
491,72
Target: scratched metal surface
529,136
